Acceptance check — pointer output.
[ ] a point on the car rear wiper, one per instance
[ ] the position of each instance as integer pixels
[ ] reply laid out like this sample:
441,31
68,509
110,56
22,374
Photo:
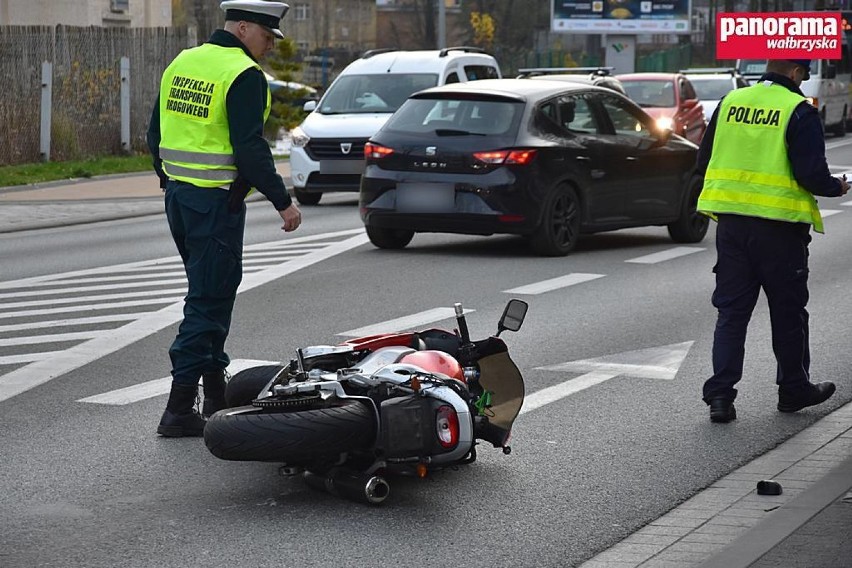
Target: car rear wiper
451,132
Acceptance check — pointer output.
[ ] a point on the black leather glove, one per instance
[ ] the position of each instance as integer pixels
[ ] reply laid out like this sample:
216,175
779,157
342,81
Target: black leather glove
238,191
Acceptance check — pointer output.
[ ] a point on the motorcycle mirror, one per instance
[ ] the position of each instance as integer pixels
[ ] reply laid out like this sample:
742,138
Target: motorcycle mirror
513,316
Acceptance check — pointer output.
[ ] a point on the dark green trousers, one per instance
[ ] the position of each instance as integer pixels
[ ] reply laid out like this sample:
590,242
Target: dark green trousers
209,239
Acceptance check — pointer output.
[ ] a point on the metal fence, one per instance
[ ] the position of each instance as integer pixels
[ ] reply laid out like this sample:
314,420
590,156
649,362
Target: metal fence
86,81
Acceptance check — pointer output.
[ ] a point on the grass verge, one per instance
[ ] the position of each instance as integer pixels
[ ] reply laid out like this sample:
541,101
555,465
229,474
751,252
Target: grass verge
25,174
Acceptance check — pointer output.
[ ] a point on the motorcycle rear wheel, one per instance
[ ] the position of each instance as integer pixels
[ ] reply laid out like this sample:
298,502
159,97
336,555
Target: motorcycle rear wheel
299,437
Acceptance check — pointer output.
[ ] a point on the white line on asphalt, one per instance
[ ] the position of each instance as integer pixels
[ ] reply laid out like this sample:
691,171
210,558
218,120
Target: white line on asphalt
122,278
665,255
88,307
37,373
27,357
150,389
554,283
51,338
98,298
67,322
271,260
403,323
99,287
567,388
838,144
829,212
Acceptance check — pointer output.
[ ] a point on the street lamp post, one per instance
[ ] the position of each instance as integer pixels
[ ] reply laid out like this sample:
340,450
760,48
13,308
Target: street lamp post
442,24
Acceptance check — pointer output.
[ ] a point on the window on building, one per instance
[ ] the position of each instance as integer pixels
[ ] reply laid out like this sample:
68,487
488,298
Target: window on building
119,5
302,12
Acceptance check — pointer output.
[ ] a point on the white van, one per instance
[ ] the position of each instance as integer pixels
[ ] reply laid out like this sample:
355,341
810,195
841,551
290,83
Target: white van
828,89
327,151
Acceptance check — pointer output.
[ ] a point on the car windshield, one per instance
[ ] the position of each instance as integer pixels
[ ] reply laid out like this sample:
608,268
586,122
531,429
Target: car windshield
712,89
752,66
456,117
373,93
651,93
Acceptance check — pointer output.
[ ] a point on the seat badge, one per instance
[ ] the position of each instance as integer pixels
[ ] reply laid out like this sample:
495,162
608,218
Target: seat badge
345,147
431,150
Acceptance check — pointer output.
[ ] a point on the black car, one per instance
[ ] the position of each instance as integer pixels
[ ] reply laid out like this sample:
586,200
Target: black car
542,159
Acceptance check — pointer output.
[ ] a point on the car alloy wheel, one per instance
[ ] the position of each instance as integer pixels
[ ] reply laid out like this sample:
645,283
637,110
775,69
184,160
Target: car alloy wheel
560,228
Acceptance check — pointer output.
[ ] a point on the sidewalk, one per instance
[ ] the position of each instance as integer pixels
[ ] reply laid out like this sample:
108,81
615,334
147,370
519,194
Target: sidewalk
725,526
74,202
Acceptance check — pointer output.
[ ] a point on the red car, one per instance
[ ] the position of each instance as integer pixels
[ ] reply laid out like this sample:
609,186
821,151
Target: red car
670,98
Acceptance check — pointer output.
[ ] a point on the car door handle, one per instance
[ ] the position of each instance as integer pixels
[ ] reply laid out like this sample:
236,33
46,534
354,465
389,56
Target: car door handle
584,158
631,158
597,174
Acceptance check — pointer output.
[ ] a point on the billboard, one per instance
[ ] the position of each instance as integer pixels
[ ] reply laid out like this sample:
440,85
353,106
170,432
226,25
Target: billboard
627,17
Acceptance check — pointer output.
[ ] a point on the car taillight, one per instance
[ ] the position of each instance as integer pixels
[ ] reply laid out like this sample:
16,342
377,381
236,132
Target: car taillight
376,151
447,426
518,157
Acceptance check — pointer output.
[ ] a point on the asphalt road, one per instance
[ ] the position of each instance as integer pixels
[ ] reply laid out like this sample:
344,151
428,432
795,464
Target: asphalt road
91,485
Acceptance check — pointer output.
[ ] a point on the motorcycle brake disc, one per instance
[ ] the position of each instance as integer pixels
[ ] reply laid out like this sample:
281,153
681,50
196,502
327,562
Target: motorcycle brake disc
296,401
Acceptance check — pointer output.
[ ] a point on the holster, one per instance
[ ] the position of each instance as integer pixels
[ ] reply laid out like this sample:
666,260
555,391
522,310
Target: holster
237,194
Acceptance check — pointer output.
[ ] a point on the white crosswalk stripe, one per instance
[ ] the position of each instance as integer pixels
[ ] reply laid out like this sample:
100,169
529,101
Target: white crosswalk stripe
86,314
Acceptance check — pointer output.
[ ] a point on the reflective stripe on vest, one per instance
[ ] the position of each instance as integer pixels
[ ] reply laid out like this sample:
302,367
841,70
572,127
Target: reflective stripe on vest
195,143
749,171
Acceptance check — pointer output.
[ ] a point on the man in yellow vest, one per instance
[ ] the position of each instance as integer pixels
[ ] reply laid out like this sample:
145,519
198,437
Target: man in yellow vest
764,161
206,137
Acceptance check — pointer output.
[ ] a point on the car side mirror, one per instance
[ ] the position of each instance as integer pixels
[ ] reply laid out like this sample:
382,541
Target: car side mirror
690,103
310,106
830,71
659,137
513,316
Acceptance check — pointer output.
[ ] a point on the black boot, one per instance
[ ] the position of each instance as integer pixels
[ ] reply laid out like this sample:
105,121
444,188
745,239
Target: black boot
180,418
214,392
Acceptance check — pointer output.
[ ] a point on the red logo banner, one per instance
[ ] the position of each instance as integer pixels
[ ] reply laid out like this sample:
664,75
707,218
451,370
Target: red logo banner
778,35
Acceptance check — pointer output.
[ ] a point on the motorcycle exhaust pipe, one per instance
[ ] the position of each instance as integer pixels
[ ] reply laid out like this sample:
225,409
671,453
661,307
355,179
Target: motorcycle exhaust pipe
361,487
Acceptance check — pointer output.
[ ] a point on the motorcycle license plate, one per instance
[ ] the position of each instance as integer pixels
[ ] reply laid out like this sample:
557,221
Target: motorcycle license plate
425,197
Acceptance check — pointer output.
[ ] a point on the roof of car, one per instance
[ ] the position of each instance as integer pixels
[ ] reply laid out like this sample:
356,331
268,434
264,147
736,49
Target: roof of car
426,61
519,89
647,76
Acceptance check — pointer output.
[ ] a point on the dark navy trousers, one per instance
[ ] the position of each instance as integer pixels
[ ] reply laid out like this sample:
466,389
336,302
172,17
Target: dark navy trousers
755,253
209,239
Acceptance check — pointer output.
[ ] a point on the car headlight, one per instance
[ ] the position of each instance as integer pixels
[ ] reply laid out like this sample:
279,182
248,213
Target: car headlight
665,123
299,138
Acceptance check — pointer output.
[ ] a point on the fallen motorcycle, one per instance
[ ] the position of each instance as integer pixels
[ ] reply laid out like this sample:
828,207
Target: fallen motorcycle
345,416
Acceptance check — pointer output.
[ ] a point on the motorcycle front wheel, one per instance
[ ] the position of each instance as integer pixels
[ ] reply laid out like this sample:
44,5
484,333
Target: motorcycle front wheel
298,436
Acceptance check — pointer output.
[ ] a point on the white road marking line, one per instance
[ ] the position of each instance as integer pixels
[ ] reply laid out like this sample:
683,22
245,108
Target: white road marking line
837,144
271,260
556,392
40,372
665,255
27,357
123,278
52,338
650,363
69,322
98,298
89,307
554,283
403,323
157,387
829,212
99,287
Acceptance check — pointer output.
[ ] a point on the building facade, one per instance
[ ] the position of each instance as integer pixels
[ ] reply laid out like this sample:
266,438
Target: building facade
106,13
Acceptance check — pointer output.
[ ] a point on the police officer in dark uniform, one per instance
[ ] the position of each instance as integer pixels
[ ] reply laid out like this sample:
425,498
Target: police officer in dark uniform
206,137
763,159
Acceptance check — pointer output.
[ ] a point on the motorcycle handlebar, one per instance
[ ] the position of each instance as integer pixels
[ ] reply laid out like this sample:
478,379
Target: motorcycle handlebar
462,323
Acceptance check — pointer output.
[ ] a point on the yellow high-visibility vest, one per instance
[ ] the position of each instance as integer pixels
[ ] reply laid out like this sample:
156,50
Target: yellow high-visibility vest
195,143
749,171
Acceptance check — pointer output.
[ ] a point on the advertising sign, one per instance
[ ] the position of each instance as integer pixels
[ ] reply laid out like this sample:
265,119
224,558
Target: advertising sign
621,16
779,35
